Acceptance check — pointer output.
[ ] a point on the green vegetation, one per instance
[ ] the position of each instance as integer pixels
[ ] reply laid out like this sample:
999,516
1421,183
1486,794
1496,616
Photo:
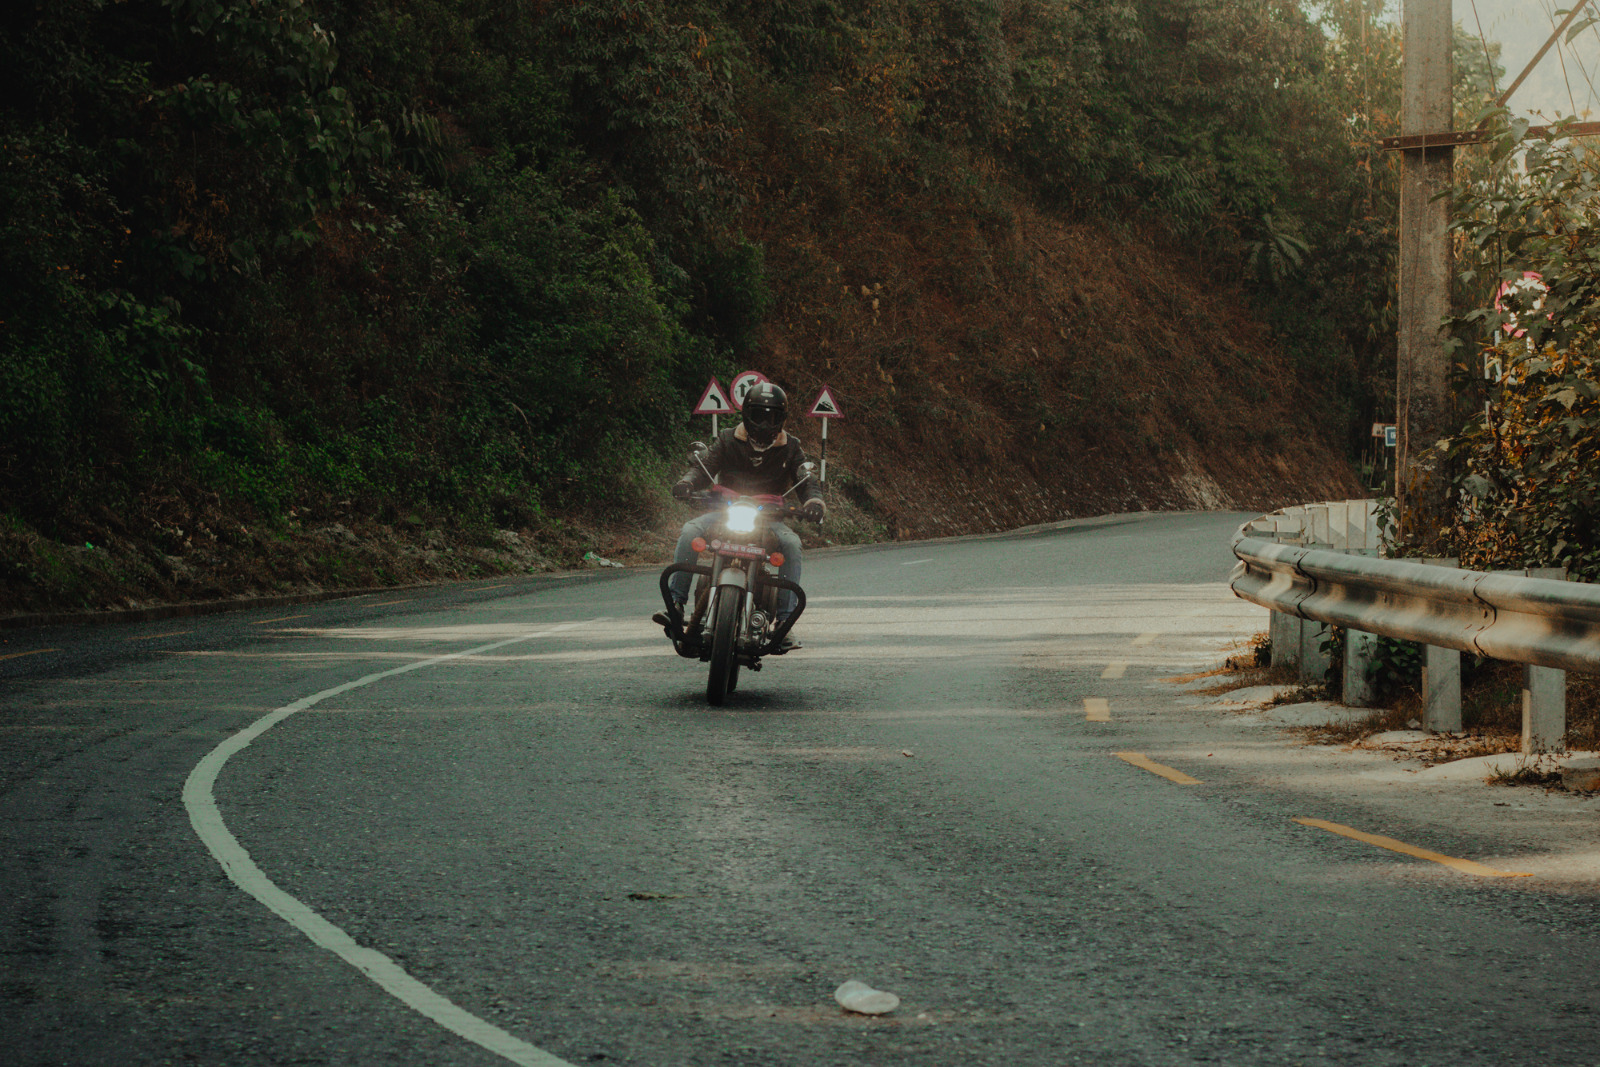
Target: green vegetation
1528,463
243,258
405,259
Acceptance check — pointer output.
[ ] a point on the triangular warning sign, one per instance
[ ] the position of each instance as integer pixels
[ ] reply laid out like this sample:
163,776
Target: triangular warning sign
825,406
713,401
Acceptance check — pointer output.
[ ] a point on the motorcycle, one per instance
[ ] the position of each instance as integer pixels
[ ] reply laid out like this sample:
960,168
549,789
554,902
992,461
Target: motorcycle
733,623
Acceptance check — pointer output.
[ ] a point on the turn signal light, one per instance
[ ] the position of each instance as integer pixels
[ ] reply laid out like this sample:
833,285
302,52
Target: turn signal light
698,544
776,559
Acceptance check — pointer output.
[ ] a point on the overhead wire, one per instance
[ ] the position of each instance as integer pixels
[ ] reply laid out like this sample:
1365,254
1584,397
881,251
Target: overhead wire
1562,47
1594,29
1571,14
1588,104
1483,39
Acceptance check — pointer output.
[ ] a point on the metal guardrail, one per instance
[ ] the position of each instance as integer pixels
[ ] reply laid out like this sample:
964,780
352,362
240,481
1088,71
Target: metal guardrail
1541,621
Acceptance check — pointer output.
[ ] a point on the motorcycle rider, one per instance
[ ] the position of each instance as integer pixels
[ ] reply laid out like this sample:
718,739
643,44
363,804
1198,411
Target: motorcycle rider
757,456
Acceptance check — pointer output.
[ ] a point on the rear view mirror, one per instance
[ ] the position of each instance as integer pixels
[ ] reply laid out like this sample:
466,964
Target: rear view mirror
808,469
696,450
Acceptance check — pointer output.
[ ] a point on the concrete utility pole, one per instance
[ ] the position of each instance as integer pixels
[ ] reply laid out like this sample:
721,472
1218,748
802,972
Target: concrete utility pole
1422,379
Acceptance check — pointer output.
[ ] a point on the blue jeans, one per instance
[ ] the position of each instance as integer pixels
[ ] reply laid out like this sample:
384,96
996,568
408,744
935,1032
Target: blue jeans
788,543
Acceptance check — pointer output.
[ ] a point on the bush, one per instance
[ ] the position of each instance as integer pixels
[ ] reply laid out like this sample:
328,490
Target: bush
1529,464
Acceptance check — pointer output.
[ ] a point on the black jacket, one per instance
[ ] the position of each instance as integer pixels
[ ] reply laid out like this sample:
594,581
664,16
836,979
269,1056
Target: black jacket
745,470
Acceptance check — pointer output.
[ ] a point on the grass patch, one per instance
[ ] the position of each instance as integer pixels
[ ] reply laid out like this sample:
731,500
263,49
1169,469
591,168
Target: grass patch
1583,712
1541,771
1353,731
1251,667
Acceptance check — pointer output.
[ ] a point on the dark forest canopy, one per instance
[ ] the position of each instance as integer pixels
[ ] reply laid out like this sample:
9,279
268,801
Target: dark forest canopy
472,255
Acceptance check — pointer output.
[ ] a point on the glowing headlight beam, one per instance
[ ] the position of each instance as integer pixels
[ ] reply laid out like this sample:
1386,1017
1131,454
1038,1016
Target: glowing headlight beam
742,518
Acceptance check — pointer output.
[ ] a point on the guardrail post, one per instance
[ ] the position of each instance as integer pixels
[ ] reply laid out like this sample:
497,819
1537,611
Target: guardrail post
1339,526
1314,661
1360,649
1544,694
1441,690
1544,708
1318,530
1441,681
1283,630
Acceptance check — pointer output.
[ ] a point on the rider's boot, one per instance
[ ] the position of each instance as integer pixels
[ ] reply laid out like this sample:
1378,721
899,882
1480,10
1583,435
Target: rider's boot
661,618
790,642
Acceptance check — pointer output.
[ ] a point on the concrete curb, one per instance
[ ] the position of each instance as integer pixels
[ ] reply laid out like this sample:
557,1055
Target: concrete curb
192,608
999,535
189,608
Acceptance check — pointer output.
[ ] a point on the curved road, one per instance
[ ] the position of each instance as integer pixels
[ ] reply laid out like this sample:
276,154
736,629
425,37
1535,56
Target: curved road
498,824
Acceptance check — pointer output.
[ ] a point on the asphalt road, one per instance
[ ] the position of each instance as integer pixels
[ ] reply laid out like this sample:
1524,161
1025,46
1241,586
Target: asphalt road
523,837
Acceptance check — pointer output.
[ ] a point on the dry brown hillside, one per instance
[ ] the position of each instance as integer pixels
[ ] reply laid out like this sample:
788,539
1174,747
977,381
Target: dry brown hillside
1033,370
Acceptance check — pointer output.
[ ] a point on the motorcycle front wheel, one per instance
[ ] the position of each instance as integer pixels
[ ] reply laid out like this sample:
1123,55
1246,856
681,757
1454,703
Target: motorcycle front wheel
723,676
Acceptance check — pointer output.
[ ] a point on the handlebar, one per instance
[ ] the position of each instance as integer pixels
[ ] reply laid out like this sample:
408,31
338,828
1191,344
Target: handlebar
719,497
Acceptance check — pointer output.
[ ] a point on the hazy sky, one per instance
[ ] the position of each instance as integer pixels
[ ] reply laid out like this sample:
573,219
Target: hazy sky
1521,27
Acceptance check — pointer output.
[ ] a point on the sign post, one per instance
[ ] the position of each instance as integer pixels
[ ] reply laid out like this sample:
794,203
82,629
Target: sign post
713,402
826,408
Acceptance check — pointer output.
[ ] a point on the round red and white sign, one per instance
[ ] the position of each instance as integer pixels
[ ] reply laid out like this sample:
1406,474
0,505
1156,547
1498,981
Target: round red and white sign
743,382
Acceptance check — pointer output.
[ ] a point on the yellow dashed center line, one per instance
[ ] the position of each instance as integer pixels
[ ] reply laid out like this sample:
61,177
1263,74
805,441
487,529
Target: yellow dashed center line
387,603
1115,670
1097,709
1139,759
284,618
1464,866
153,637
486,588
1144,639
35,652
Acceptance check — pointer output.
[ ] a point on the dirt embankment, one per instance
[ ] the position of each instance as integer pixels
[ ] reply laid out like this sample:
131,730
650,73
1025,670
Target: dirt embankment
1079,372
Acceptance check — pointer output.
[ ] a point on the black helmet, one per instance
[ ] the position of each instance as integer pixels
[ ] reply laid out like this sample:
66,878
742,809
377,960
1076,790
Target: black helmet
765,408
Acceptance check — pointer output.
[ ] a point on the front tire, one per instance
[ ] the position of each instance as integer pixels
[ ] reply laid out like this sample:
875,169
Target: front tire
724,638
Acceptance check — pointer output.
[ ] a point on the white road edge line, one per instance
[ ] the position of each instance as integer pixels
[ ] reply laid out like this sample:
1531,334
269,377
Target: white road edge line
206,818
914,562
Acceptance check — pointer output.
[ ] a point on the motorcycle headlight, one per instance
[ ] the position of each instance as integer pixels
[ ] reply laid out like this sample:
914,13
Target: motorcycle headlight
742,518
